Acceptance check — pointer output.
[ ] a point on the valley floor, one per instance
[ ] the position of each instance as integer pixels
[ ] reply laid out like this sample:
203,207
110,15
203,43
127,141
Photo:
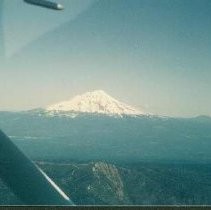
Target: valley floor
101,183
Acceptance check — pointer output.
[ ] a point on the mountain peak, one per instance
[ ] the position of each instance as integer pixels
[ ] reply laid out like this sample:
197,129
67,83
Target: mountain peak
97,101
98,92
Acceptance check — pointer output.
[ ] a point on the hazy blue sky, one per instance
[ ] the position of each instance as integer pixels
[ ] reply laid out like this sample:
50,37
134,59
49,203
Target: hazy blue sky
154,54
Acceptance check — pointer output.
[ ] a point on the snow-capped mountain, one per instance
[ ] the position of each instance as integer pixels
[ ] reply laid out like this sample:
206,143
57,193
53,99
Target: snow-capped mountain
94,102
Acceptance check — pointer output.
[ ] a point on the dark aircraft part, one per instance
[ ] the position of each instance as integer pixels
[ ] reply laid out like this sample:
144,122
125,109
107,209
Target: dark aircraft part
45,3
29,183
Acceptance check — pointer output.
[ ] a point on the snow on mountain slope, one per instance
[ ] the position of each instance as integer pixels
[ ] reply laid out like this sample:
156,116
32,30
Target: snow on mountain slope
94,102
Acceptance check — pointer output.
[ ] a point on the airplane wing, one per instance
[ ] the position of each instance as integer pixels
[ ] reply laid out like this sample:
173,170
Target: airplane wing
28,182
46,4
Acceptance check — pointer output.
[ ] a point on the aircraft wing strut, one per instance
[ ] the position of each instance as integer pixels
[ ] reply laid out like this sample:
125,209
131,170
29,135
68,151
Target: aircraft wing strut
45,3
29,183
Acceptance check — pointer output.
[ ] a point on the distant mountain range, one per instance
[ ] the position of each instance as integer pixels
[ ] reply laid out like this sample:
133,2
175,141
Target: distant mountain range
95,126
44,135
